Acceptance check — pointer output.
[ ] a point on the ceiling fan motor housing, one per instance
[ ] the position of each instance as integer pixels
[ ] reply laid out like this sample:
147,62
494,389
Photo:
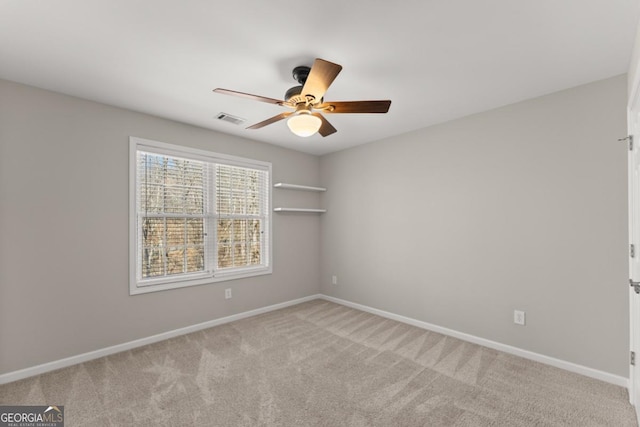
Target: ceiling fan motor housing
293,95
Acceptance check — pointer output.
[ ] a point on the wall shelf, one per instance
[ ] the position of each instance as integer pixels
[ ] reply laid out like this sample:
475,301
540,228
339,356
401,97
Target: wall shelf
285,186
300,210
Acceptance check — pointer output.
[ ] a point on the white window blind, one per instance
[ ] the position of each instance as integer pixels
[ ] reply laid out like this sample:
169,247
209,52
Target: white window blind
199,217
172,211
241,216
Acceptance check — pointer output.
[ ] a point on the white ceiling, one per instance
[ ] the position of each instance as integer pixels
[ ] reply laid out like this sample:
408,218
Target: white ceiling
437,60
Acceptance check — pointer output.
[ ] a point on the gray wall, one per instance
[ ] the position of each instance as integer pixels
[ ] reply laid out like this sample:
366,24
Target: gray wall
522,207
64,230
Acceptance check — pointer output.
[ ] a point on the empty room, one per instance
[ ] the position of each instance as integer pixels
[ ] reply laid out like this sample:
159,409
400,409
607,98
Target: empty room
336,213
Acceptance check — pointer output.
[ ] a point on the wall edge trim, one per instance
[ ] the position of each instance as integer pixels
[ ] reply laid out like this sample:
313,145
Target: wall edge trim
516,351
107,351
118,348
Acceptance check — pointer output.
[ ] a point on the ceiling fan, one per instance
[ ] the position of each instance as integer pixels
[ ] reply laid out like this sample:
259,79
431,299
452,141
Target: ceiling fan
307,101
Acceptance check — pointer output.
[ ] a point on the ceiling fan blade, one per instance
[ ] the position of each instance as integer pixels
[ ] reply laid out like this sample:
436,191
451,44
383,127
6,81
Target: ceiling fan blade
249,96
271,120
322,74
326,128
355,107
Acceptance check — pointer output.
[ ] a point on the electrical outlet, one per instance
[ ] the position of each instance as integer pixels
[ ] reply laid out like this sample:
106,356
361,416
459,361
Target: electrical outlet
227,293
334,280
519,317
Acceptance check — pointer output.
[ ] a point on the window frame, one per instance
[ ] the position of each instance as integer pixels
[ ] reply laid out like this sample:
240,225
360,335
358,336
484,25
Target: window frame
137,286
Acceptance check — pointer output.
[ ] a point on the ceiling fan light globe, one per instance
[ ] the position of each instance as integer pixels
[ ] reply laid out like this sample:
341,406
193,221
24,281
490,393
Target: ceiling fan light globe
304,125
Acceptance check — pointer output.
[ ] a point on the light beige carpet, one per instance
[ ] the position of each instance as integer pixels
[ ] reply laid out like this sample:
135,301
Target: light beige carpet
321,364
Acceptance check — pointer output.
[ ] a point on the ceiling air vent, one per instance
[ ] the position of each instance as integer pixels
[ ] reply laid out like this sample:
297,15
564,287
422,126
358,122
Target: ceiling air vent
231,119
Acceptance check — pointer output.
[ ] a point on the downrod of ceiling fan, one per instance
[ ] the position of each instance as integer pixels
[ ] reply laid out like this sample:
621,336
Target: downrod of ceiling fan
300,74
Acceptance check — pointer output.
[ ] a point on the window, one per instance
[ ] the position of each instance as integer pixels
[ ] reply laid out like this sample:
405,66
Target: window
196,217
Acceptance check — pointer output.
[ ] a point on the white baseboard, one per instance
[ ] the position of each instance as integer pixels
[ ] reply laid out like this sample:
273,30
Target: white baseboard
562,364
73,360
80,358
